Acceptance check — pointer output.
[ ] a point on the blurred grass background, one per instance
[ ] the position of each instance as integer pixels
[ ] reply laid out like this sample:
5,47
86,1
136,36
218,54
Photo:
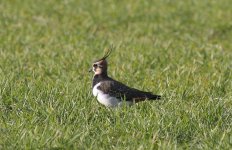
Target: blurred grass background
179,49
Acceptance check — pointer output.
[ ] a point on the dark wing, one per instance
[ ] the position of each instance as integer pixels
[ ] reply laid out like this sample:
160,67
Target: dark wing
121,91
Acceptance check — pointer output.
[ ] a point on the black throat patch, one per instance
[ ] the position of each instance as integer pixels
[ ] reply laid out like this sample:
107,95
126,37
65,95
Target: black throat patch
98,78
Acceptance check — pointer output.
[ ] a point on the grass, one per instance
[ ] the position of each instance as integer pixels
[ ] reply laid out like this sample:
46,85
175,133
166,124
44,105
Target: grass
179,49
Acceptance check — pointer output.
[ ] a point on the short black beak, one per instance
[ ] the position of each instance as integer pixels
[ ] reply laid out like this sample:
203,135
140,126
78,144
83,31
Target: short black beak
90,69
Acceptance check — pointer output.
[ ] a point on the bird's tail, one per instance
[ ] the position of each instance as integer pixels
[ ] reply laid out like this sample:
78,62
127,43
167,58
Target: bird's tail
151,96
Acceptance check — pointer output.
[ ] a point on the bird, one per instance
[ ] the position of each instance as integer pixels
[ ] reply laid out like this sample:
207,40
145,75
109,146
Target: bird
112,93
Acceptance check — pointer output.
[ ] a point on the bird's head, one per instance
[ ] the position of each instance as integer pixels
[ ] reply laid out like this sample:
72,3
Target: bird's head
99,66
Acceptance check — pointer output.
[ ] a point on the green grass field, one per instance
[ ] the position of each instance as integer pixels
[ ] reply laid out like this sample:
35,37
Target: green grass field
179,49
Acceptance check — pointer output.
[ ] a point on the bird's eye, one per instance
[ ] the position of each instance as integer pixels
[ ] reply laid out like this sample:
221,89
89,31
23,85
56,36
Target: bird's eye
94,65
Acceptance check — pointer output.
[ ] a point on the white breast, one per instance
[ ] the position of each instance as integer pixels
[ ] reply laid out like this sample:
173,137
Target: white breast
105,99
95,90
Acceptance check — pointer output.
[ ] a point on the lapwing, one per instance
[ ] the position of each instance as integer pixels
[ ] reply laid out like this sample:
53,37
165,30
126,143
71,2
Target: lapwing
112,93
